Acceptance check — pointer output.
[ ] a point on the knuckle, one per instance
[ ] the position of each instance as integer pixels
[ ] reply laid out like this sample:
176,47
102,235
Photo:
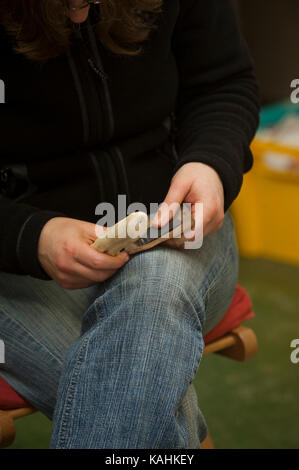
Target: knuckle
96,263
219,224
209,218
70,250
177,185
214,214
221,218
62,265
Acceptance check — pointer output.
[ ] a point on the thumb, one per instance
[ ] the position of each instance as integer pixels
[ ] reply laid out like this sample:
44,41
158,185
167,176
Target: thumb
172,202
92,230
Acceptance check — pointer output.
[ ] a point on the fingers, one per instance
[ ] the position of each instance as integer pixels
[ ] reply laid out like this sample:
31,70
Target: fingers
176,243
92,259
213,215
79,265
82,277
87,267
92,230
174,198
65,253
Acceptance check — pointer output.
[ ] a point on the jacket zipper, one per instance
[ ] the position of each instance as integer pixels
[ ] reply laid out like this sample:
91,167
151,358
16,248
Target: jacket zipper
106,101
86,121
81,98
93,100
115,152
113,155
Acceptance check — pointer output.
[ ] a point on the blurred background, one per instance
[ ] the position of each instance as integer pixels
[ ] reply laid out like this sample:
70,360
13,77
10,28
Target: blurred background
255,404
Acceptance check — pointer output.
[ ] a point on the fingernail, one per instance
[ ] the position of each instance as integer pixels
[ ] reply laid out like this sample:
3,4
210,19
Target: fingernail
190,234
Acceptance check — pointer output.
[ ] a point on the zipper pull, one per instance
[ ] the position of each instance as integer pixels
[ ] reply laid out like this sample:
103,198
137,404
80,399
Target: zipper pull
98,71
91,63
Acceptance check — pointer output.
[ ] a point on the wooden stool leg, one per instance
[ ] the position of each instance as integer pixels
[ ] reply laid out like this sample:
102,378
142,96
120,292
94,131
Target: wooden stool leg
207,443
7,430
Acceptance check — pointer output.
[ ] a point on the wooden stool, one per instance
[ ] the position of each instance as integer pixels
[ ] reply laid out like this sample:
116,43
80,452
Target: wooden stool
7,426
241,345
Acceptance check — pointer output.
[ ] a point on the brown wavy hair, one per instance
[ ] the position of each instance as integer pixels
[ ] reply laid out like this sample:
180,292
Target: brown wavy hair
41,29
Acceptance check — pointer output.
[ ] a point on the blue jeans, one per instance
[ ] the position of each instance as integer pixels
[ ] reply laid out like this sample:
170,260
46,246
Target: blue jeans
113,365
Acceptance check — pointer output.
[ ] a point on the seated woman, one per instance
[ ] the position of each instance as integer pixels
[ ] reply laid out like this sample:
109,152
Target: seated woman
155,100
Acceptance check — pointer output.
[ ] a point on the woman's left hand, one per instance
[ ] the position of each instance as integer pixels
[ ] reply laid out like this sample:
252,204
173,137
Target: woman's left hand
196,182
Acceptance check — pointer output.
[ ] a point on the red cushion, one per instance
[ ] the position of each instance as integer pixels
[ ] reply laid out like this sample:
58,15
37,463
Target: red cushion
239,311
9,399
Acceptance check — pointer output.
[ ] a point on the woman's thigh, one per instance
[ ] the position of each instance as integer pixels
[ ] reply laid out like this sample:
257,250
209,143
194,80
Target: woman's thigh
207,277
39,320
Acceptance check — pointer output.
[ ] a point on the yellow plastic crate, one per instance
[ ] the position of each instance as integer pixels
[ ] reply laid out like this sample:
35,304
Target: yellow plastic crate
266,212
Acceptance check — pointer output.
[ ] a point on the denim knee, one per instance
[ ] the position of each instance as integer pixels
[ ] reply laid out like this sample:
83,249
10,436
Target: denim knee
149,317
162,279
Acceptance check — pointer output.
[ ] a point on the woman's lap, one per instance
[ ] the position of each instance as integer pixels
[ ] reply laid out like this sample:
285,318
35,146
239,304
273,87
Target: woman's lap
39,320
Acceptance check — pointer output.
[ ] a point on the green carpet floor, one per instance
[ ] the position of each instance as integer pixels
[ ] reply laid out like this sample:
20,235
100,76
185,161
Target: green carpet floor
246,405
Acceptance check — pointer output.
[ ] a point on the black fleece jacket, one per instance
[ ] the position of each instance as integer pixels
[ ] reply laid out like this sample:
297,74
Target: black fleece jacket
74,134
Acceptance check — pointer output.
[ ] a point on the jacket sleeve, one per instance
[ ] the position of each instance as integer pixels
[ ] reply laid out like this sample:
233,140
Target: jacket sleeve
218,104
20,228
20,223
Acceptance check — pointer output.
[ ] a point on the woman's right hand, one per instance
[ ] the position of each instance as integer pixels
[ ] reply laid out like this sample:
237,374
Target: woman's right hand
65,254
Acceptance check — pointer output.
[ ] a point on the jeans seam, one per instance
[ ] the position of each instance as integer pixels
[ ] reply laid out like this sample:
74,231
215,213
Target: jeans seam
219,271
70,394
216,277
194,372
